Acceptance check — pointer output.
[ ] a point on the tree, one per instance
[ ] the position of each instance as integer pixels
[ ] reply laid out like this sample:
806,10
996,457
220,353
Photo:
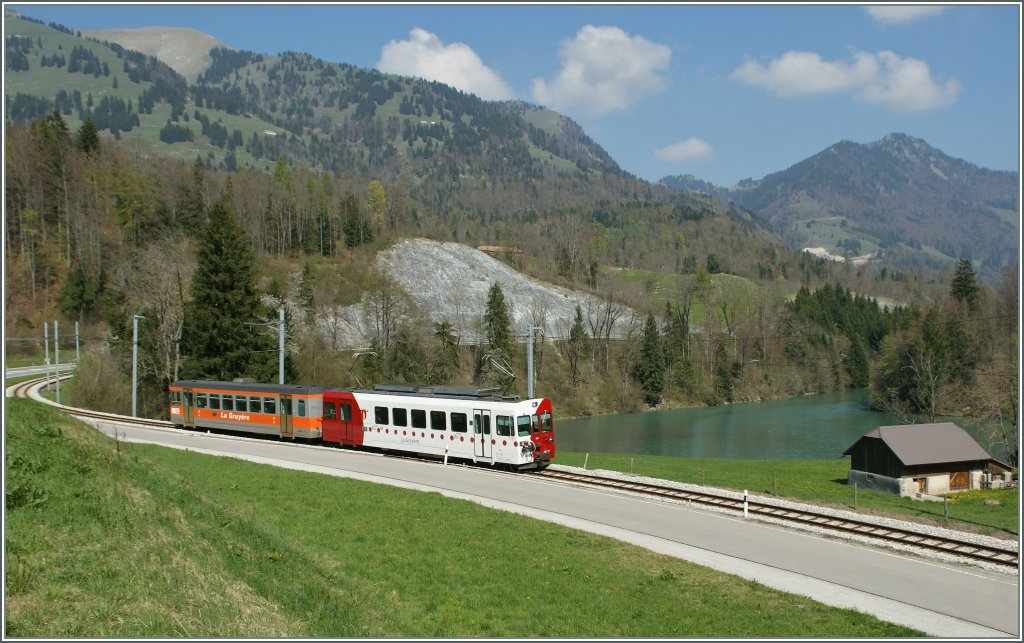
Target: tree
649,370
88,137
964,287
306,297
221,335
575,348
857,364
445,360
376,203
724,375
497,323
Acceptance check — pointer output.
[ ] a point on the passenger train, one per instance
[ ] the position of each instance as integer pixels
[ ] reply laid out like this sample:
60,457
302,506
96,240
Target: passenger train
464,423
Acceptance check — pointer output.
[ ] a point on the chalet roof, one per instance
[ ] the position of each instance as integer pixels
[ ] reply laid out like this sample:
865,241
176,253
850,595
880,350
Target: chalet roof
916,444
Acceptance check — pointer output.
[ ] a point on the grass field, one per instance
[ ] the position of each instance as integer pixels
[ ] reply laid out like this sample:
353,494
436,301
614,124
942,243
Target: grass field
817,481
105,539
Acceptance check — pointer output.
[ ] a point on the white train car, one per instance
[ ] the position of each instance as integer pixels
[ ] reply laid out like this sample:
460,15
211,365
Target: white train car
474,425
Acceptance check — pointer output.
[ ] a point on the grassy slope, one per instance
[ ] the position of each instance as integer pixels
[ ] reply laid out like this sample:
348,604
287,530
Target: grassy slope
114,540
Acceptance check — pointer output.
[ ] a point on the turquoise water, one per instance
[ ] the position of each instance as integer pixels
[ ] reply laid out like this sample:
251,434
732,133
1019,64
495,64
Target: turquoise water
813,427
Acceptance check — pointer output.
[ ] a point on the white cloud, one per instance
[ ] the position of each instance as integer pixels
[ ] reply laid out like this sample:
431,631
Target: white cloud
426,56
896,14
689,149
604,70
906,84
903,84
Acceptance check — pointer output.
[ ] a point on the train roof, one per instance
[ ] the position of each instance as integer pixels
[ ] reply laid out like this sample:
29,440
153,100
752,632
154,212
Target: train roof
449,392
251,386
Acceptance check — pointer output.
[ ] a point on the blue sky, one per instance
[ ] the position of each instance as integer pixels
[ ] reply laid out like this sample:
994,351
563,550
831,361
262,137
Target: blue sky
723,92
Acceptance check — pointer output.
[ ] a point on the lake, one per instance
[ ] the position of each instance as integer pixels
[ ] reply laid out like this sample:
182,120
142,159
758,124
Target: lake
814,427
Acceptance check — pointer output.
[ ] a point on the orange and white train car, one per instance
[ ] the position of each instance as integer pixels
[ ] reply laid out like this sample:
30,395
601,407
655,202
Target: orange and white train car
282,410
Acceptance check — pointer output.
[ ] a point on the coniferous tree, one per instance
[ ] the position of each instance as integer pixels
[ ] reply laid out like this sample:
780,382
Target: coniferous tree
88,137
964,287
222,336
445,361
857,364
497,323
650,367
723,373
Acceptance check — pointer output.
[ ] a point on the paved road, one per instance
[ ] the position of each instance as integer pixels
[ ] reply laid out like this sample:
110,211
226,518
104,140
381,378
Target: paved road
22,371
938,598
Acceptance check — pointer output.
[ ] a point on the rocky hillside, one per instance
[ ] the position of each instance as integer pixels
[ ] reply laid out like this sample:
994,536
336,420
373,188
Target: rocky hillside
898,197
450,282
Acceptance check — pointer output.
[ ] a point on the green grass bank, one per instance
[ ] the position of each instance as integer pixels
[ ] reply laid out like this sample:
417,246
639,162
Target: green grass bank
815,481
107,539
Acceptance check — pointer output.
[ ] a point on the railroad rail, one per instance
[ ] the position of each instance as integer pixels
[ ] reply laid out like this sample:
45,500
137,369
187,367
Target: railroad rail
1002,556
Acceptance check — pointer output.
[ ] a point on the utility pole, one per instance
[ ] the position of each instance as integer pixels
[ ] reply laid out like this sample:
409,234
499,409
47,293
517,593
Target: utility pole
56,356
135,363
46,345
78,354
529,360
280,346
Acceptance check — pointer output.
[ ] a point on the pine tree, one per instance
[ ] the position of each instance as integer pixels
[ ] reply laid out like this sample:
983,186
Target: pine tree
650,367
857,364
964,287
497,324
723,373
445,360
88,137
222,337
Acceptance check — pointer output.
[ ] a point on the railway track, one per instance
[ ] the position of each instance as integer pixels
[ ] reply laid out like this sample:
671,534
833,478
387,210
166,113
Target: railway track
1005,557
1002,556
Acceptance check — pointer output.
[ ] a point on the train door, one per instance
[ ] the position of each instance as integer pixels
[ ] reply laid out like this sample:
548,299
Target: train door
482,432
186,407
286,416
342,423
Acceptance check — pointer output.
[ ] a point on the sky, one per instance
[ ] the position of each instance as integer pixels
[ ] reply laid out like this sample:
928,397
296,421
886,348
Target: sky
723,92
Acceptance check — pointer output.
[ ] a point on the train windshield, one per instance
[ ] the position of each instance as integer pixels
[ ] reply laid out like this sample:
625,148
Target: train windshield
545,419
523,425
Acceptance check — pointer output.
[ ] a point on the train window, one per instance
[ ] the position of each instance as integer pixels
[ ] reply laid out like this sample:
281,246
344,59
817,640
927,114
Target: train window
227,403
301,408
330,411
437,422
346,411
200,400
399,417
503,425
254,404
419,419
175,397
459,424
546,419
215,401
188,398
380,414
270,405
286,406
523,422
241,403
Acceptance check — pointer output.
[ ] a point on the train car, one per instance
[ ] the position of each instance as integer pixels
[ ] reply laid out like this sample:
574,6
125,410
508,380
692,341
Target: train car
281,410
475,425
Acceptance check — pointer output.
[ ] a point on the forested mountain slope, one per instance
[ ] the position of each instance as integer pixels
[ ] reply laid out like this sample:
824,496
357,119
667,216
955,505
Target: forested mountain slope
897,198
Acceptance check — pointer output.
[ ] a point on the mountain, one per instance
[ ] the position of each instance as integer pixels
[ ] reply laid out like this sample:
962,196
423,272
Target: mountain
897,197
186,51
177,93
